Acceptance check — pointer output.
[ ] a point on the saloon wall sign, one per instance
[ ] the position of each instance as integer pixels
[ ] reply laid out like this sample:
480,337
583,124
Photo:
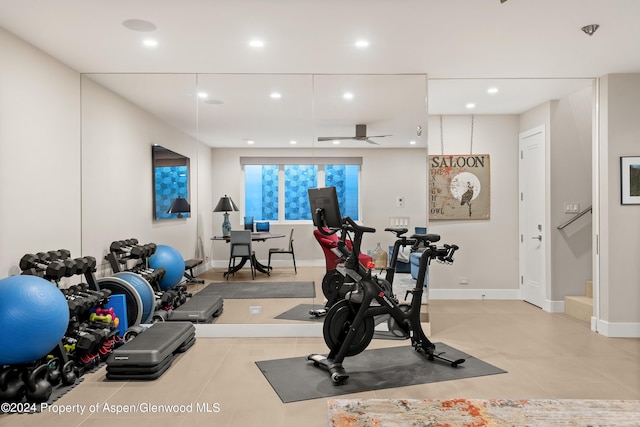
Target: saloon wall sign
459,186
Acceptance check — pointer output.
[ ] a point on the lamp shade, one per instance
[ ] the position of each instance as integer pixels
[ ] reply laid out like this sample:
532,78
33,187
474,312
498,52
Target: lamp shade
179,205
225,204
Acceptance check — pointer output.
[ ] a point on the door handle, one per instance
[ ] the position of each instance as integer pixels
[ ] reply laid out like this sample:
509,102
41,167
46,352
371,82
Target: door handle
538,237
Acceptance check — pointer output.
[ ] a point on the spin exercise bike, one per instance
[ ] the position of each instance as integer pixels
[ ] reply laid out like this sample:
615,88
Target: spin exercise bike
335,285
349,323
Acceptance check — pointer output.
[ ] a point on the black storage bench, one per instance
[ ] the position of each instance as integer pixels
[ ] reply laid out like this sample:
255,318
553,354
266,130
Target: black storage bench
150,354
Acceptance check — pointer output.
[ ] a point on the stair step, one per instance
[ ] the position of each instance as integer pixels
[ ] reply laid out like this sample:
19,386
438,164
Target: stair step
580,307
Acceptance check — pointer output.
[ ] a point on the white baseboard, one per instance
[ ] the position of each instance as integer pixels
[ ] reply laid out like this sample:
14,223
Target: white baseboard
616,329
553,306
475,294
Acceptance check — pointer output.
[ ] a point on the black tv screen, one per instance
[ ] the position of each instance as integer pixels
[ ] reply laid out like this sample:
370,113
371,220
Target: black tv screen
325,198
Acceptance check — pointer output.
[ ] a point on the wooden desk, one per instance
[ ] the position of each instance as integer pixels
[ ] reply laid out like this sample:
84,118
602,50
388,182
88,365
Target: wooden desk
259,236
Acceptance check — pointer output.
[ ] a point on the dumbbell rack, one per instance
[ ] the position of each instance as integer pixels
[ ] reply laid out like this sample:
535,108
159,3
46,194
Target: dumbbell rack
89,340
176,304
122,252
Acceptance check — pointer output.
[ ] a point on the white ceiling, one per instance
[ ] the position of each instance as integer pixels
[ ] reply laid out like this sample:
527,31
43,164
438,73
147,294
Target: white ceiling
533,51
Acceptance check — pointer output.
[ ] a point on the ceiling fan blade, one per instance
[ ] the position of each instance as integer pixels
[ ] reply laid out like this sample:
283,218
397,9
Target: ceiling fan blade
377,136
370,141
333,138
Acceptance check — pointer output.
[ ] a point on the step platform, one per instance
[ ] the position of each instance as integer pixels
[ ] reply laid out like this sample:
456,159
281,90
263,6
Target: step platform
151,353
200,308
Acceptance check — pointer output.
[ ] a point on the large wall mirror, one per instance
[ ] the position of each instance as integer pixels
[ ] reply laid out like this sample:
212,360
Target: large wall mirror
220,120
223,122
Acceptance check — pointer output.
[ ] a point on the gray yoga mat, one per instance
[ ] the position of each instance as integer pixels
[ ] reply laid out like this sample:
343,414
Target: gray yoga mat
296,379
301,312
251,290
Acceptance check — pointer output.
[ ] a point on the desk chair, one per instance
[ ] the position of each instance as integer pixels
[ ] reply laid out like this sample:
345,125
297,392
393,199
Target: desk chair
240,241
284,251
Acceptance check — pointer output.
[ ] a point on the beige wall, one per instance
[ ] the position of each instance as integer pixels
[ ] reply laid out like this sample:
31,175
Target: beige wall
117,187
619,224
488,254
40,177
385,173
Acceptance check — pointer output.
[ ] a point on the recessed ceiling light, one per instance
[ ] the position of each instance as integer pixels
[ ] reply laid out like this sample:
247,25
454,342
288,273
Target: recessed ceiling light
139,25
292,142
150,43
250,141
276,95
362,44
492,90
412,142
470,105
203,95
256,43
347,95
336,142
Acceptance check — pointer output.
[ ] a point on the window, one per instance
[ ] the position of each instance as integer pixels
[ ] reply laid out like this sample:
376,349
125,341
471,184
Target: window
276,189
261,192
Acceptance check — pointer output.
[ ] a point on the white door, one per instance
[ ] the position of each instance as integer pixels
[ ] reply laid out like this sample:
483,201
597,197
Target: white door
532,216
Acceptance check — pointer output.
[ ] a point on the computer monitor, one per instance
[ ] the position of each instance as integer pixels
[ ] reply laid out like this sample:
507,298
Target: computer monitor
325,198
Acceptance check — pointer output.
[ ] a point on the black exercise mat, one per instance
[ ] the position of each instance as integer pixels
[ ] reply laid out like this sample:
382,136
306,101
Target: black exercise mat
301,312
252,290
297,379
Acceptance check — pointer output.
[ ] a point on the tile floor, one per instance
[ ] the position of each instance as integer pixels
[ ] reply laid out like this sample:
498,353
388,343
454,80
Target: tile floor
546,356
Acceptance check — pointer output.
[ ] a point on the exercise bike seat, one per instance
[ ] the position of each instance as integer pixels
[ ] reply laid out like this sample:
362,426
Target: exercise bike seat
397,231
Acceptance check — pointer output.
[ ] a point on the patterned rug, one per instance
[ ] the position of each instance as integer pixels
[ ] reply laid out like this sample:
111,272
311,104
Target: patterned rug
481,413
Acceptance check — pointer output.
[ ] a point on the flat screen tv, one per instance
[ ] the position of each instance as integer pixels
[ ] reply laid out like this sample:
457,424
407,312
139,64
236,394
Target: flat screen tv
325,198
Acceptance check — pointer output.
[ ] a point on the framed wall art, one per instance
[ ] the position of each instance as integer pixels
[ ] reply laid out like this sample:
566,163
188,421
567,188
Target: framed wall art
459,187
630,180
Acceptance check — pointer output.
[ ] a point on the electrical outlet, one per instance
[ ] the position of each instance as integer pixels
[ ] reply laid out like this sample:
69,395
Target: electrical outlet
255,309
463,280
400,201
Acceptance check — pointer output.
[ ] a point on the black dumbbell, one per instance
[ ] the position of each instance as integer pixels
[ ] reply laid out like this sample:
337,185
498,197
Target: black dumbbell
91,262
60,254
33,272
71,267
123,246
52,269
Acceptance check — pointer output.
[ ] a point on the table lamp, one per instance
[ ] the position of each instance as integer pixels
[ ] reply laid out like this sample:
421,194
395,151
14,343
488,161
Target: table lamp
226,205
179,206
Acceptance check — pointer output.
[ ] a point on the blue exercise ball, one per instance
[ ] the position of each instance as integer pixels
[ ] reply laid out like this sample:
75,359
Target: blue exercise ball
145,291
170,259
34,315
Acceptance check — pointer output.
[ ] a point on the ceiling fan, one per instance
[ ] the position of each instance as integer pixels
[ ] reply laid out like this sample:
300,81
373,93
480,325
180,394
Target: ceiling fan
361,135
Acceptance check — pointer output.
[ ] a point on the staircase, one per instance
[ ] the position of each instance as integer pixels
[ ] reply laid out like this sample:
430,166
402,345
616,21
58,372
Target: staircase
580,307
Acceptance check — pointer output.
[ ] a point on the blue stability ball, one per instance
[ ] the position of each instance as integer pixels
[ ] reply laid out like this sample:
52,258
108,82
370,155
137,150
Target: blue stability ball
34,316
145,291
170,259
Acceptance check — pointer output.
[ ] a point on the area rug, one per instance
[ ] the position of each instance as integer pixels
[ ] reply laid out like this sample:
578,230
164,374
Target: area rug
295,379
480,413
258,290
